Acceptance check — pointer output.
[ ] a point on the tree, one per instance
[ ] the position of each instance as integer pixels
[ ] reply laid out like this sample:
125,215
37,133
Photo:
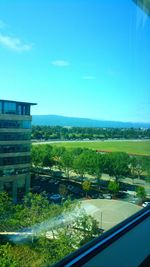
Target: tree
86,185
87,227
6,257
80,164
57,155
113,186
37,155
148,176
139,170
118,164
97,169
67,162
139,165
37,213
132,167
140,192
5,203
63,189
146,168
47,160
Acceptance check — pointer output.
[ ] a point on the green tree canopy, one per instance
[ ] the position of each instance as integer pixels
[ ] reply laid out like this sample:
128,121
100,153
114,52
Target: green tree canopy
86,185
113,186
141,193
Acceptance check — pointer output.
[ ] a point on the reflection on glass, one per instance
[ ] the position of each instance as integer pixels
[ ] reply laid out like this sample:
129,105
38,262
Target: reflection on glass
5,136
15,124
9,108
14,160
95,176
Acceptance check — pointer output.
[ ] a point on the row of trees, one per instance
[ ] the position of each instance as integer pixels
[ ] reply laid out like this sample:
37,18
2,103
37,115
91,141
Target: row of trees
80,133
114,188
57,230
86,161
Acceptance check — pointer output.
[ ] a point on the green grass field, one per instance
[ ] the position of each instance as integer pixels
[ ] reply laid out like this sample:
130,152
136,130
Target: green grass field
131,147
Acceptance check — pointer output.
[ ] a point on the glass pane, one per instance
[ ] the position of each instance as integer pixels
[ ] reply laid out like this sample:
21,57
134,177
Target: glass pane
15,124
79,59
9,108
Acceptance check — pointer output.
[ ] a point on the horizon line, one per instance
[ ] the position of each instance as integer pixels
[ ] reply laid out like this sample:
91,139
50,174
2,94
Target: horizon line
93,119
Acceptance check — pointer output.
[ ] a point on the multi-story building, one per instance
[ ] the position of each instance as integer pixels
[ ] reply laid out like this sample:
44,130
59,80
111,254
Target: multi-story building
15,142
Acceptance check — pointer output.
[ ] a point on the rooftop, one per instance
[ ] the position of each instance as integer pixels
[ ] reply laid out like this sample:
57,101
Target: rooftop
20,102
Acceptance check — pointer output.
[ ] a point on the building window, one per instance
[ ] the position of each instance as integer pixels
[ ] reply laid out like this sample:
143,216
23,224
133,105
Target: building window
15,124
14,171
14,148
14,160
9,108
19,109
23,109
14,136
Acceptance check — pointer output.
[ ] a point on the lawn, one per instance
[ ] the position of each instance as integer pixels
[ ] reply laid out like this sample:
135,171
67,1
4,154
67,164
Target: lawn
131,147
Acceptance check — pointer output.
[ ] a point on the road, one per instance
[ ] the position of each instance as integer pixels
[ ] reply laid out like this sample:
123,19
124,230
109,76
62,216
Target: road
87,141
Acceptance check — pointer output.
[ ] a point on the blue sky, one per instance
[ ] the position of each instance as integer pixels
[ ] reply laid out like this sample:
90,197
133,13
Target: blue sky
83,58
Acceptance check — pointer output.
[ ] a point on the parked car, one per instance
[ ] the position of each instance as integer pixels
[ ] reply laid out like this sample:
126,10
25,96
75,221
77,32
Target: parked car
121,194
56,198
51,181
134,200
145,204
57,182
70,187
79,179
36,189
100,196
107,196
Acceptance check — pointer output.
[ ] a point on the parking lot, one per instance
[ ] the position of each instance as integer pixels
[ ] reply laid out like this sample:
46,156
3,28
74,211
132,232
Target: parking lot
54,183
109,212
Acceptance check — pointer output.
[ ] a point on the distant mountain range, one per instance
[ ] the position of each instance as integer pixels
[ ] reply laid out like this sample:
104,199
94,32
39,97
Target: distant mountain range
55,120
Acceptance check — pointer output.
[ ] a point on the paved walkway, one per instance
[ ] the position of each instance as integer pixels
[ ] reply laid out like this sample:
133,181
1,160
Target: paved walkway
109,212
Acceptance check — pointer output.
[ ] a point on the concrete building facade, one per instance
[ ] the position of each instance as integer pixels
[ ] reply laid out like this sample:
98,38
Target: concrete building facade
15,145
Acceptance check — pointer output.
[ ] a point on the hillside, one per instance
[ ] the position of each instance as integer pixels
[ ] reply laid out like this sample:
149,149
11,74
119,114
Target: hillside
53,120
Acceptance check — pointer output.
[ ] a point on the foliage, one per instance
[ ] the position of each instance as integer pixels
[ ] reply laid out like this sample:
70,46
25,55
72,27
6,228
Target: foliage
113,187
57,153
67,226
80,133
140,192
5,203
42,156
86,161
132,166
118,165
63,190
6,257
67,162
86,185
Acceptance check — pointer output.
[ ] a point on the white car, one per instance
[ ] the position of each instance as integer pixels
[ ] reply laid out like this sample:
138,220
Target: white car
107,196
145,204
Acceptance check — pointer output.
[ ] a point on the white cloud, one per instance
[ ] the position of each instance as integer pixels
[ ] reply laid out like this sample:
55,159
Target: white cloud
60,63
14,43
88,77
2,24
